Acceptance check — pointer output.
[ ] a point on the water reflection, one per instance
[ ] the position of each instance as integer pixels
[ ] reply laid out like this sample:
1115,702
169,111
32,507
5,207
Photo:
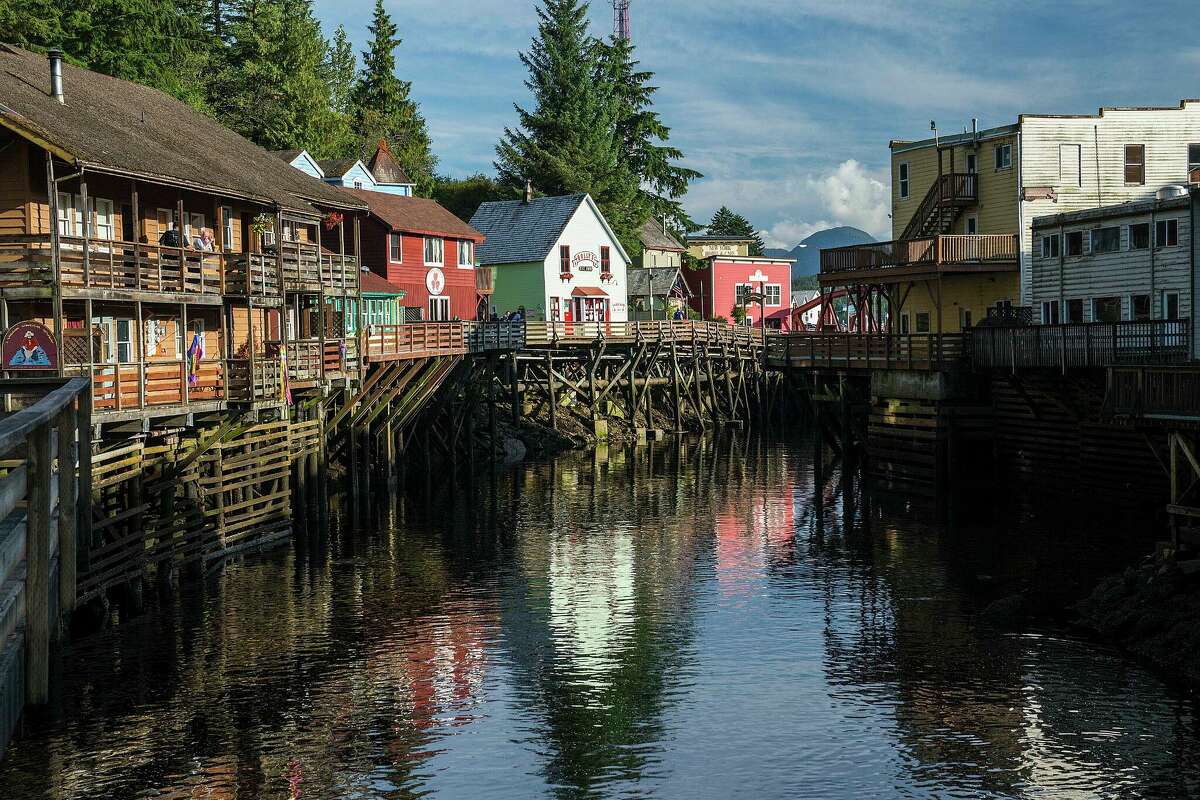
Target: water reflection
703,618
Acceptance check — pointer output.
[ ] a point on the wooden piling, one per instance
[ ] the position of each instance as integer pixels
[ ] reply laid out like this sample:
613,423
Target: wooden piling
68,511
37,565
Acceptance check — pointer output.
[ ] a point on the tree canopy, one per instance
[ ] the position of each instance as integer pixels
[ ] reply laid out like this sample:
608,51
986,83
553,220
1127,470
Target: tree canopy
726,222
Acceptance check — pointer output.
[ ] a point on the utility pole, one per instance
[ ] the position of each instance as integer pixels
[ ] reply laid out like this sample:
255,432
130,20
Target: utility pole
621,29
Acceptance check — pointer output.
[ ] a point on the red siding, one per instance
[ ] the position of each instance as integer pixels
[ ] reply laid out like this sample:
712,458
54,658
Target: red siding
410,275
720,279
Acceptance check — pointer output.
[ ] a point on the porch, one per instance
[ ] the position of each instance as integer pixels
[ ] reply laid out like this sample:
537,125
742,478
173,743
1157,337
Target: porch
907,259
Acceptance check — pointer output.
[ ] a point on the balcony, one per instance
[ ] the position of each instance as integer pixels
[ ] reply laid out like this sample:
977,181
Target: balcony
255,383
907,259
1081,345
1168,394
307,270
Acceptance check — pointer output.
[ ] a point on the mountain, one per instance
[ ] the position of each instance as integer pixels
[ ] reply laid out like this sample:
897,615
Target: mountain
808,253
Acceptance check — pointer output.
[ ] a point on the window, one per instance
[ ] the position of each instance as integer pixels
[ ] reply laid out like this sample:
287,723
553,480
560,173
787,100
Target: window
964,318
606,260
922,322
166,220
395,248
196,223
1106,240
124,341
1050,246
104,223
466,253
1070,165
1075,243
227,216
903,179
904,326
972,225
1135,164
564,259
1075,310
1003,153
290,231
358,184
742,292
774,294
1139,236
439,309
1166,233
1139,307
972,163
1106,309
555,309
1194,163
1050,312
66,215
1170,305
433,250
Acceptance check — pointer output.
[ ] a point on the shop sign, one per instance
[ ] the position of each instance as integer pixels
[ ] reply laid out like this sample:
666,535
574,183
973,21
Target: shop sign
29,345
435,281
585,261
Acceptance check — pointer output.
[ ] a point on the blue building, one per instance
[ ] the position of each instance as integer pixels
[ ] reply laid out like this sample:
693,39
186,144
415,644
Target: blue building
382,174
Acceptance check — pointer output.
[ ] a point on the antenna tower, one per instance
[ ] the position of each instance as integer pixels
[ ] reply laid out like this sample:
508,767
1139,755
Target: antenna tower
621,29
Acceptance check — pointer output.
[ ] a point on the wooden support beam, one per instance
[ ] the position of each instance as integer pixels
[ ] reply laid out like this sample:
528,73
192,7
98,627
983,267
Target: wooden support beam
37,568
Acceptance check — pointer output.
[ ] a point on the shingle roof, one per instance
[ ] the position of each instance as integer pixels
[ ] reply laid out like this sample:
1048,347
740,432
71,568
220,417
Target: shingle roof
655,237
639,280
384,166
115,126
375,284
286,155
337,167
517,231
415,215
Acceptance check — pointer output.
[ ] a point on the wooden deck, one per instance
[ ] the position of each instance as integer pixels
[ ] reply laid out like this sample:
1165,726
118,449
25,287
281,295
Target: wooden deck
864,351
1084,345
1164,393
903,259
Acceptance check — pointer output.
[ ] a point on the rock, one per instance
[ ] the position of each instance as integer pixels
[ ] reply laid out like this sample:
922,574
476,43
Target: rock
1007,612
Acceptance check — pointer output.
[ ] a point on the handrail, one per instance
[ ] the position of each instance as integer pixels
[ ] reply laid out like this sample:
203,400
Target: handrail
16,427
952,188
933,250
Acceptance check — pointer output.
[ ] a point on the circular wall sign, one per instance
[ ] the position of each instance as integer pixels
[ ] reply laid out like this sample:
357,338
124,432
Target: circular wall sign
435,281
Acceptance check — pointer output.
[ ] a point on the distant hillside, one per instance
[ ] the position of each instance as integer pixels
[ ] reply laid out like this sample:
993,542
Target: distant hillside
808,252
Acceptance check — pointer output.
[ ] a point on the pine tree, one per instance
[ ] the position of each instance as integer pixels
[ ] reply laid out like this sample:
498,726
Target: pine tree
643,138
384,109
340,68
728,223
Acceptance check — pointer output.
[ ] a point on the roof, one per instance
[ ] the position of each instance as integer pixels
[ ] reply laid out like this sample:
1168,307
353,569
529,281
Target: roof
640,280
748,259
114,126
588,291
384,166
655,236
286,155
1113,212
337,167
415,215
518,232
1183,104
374,284
953,139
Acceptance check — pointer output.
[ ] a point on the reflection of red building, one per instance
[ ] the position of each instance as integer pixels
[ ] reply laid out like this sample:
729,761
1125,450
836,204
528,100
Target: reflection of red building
723,282
749,532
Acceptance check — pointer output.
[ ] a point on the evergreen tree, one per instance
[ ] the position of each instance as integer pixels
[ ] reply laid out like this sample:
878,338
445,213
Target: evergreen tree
384,109
568,142
727,223
463,197
643,138
340,69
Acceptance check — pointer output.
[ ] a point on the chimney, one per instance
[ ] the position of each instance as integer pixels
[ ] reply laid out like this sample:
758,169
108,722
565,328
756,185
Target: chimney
56,87
528,191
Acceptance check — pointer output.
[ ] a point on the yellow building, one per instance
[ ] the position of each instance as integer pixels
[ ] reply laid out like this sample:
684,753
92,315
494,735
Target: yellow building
955,251
701,247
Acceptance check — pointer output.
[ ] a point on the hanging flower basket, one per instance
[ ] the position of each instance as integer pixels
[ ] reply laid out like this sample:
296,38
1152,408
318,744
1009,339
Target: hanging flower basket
332,220
606,276
566,276
262,223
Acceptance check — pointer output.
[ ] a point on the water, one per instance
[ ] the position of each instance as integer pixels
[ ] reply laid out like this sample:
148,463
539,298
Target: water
693,621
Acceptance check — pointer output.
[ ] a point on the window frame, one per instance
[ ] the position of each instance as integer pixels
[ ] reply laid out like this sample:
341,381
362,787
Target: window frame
395,248
465,248
442,301
778,287
1002,156
564,259
1140,226
1070,236
972,163
227,229
1051,245
1051,312
441,251
1097,239
606,260
1149,307
904,179
905,325
1170,229
928,318
1139,164
1096,301
1164,304
972,225
1073,303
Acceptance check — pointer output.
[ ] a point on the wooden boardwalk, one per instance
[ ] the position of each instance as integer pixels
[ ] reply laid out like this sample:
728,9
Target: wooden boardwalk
1081,345
864,351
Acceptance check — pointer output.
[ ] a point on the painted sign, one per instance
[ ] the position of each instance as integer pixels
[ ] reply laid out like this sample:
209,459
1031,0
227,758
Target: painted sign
585,261
435,281
29,345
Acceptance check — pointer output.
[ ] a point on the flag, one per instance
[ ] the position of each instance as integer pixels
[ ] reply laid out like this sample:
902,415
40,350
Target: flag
195,355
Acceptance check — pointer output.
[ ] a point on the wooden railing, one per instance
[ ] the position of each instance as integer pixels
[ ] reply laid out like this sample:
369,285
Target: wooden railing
305,360
43,518
482,336
307,270
252,275
1167,393
566,333
919,351
114,265
935,251
415,340
135,386
257,382
953,189
1081,345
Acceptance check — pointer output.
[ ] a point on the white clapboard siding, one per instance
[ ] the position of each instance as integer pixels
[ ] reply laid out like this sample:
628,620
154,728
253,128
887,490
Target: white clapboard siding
1101,141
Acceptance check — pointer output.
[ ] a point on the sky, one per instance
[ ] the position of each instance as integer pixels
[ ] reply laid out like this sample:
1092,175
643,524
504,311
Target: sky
787,106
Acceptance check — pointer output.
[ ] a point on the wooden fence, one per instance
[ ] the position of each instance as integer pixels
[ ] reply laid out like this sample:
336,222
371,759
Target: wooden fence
1165,393
40,515
1081,345
918,351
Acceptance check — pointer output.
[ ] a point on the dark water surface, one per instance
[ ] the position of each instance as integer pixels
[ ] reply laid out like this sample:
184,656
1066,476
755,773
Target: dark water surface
692,621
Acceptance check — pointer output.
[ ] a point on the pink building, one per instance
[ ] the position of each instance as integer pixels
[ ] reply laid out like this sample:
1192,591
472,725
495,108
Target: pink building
722,282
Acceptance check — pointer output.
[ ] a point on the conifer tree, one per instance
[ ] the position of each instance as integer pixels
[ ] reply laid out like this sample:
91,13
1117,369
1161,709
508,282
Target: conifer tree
726,222
384,109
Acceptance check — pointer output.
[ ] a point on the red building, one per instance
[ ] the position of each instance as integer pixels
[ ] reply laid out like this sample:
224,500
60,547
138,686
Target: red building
425,250
722,282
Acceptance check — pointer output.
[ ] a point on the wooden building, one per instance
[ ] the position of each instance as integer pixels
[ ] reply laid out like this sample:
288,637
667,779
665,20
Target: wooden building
722,287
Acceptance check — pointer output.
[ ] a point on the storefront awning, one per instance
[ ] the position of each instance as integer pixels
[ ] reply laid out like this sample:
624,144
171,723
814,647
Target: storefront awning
588,291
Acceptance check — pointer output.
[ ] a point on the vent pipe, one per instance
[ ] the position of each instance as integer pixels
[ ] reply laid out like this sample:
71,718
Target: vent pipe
975,131
56,83
528,191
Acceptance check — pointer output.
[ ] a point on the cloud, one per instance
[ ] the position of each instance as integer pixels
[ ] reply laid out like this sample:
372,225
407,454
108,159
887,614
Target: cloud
855,197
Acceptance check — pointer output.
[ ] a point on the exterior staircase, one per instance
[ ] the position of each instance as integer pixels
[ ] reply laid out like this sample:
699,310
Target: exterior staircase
943,204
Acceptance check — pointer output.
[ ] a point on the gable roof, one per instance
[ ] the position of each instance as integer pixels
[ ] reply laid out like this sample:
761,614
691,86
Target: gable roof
644,281
414,215
655,236
372,283
338,167
517,231
114,126
385,168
